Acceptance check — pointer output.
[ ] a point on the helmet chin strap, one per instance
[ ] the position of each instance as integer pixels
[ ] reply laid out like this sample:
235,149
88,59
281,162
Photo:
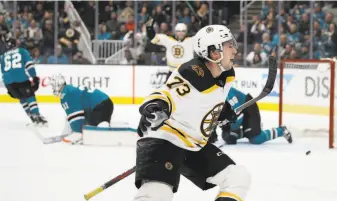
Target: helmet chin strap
218,61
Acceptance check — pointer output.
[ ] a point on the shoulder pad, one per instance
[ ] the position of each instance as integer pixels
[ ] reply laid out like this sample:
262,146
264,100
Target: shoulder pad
197,74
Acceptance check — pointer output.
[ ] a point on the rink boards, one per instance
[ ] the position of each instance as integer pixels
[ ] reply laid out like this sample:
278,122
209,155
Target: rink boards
305,91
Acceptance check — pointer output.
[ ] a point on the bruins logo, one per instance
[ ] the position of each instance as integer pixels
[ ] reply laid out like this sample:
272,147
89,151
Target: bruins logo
209,30
177,51
168,165
210,121
198,70
70,33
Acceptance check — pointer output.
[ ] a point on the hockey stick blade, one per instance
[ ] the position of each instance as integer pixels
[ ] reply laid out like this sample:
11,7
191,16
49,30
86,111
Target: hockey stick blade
110,183
54,139
46,140
272,72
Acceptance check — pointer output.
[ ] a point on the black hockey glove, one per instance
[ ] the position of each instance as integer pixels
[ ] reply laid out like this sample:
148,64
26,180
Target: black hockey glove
148,119
35,84
228,136
149,28
227,113
214,136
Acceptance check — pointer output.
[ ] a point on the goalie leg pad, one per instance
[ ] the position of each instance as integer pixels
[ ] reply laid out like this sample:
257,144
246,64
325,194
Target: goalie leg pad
103,124
154,191
234,182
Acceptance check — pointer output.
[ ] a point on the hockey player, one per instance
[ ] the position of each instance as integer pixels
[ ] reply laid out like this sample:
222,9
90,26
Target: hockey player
177,120
179,49
82,105
20,79
248,124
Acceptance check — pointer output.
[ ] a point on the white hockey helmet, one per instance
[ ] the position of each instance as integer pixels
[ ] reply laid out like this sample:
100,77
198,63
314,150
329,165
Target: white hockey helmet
180,27
57,83
212,36
180,31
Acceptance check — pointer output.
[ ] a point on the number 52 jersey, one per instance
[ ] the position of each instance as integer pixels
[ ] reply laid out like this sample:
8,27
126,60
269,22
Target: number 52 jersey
17,66
195,100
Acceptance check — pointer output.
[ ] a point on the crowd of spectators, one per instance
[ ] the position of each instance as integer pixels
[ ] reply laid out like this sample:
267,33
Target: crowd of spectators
34,28
118,20
33,25
294,38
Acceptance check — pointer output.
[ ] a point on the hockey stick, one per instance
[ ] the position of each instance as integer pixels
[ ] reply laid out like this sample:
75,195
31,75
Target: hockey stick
266,90
272,72
47,140
194,13
109,183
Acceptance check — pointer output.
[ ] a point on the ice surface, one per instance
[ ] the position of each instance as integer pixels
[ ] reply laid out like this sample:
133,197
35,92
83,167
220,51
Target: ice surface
31,171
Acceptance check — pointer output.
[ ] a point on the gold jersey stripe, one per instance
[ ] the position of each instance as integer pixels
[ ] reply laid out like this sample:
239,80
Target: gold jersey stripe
171,38
160,97
155,40
230,79
187,136
211,89
173,65
229,195
157,96
177,133
168,95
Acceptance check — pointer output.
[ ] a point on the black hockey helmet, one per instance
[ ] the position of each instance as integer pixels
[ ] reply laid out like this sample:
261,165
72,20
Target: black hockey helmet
10,43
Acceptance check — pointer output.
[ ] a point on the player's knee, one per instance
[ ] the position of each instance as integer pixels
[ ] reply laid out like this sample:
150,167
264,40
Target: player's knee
154,191
234,182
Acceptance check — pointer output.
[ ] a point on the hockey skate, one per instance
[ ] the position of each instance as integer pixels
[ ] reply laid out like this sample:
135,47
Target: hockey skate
41,121
32,118
287,135
74,138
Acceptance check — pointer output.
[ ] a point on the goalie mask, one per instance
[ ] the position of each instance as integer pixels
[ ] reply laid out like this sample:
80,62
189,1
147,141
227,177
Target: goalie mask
57,83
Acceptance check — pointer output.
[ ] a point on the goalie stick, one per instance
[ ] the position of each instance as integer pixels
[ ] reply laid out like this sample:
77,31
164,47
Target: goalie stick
47,140
272,72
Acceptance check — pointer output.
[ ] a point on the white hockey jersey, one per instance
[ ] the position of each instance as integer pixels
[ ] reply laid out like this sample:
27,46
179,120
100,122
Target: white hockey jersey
177,52
195,101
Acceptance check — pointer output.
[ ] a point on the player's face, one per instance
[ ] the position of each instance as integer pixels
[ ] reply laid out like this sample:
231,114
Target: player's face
180,35
229,52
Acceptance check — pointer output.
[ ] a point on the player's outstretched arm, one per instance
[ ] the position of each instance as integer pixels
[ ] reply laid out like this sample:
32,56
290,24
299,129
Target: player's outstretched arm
29,64
158,39
149,28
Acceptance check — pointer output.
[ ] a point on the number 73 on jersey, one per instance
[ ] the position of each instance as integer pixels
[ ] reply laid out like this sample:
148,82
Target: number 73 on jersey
178,83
